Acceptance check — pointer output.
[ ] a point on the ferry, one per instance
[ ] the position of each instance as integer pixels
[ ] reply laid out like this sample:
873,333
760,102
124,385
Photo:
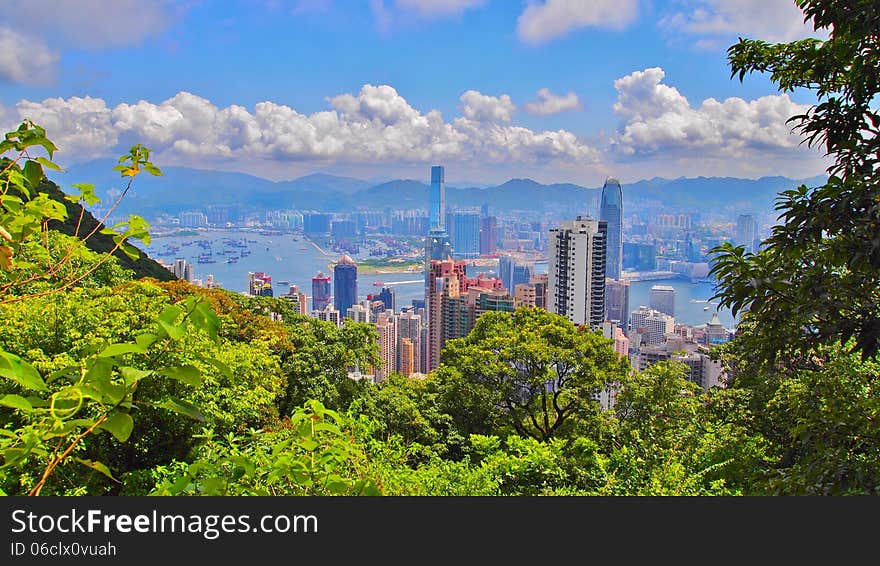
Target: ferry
378,283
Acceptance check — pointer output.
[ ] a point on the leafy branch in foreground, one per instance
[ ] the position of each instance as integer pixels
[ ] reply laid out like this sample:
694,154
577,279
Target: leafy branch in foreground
817,277
25,213
55,412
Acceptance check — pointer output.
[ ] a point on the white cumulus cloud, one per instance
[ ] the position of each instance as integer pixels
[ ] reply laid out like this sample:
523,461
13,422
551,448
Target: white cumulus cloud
770,20
543,21
485,108
549,103
376,125
657,119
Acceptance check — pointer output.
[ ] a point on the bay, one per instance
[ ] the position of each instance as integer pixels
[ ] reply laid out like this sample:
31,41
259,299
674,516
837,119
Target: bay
292,258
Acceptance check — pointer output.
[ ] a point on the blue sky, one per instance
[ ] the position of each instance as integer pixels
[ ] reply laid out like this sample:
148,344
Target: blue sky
556,90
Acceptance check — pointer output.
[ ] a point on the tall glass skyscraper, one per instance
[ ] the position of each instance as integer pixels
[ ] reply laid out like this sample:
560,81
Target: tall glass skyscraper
345,275
437,213
465,233
611,211
320,291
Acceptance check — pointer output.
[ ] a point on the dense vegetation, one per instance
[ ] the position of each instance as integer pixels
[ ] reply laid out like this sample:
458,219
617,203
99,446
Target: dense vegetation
114,383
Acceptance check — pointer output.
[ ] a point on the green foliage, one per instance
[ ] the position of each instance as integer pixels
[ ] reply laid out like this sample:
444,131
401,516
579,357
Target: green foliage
533,371
26,210
322,354
312,453
817,278
53,412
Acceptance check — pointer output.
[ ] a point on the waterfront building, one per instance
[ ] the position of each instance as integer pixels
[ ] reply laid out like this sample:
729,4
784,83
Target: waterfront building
662,298
344,284
259,284
617,301
463,227
321,291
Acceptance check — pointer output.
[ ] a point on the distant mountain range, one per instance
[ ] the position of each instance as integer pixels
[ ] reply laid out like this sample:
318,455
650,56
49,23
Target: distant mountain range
182,188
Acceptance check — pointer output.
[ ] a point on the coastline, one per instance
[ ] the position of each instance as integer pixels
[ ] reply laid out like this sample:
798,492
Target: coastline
317,247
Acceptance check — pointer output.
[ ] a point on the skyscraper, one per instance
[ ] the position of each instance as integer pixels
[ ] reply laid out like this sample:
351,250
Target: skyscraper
320,291
465,233
386,295
387,332
617,301
437,214
512,273
344,284
445,280
409,327
488,226
611,211
746,232
358,313
576,274
406,357
663,299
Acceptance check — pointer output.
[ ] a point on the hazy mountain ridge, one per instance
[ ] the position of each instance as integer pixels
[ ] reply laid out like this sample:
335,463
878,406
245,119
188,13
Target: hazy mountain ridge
182,188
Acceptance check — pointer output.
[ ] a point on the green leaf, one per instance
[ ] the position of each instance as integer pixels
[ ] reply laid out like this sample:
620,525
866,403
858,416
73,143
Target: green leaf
129,250
133,375
98,467
152,169
49,164
120,349
145,340
33,173
21,372
87,193
101,370
16,402
119,425
183,407
186,374
170,314
112,393
174,332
